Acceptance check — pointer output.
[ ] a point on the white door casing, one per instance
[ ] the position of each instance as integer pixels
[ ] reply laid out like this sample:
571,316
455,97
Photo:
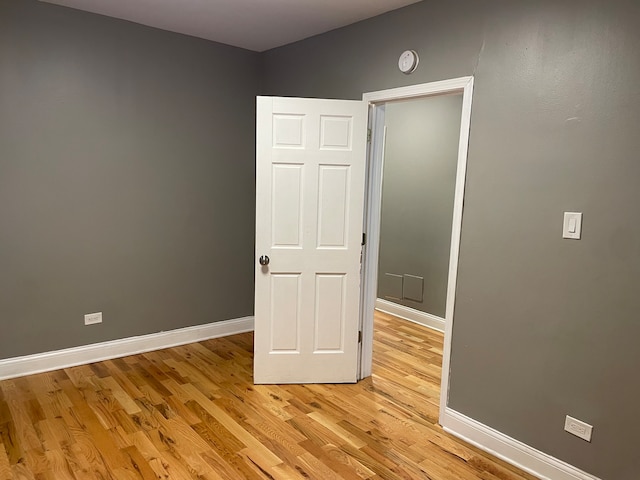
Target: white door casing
463,85
310,177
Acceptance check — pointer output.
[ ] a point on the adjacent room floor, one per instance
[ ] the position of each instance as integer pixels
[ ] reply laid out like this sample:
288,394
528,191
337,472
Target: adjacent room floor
192,412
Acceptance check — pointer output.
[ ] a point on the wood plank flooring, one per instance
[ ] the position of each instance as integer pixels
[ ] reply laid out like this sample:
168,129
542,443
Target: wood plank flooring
192,412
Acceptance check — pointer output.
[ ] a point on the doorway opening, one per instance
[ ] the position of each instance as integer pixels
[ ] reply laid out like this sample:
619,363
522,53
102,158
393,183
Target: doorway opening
372,227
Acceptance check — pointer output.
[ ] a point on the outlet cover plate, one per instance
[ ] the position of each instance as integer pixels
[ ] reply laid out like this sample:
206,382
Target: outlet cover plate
93,318
578,428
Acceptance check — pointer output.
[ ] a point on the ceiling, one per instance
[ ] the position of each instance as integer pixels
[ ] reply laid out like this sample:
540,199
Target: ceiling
252,24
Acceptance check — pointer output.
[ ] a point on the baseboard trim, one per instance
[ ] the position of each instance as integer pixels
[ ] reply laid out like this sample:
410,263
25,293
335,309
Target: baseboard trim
509,449
411,314
70,357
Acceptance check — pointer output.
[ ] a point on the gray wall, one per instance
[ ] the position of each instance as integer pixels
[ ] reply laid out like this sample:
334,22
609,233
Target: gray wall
421,155
127,186
126,178
543,326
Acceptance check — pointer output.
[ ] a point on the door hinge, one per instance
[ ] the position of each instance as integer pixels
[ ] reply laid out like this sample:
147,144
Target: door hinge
360,336
368,135
364,239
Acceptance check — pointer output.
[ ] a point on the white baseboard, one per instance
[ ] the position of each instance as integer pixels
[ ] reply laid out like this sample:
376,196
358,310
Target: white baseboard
411,314
70,357
510,450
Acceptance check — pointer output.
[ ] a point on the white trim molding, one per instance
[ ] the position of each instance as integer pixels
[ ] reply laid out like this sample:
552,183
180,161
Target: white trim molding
96,352
509,449
377,101
452,85
411,314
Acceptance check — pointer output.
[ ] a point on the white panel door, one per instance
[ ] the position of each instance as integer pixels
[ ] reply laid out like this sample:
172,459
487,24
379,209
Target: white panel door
310,176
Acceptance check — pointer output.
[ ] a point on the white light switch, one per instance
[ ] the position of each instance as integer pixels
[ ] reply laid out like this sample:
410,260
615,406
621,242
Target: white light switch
572,225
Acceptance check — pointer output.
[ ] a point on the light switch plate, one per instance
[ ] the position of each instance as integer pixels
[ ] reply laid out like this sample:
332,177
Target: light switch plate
572,225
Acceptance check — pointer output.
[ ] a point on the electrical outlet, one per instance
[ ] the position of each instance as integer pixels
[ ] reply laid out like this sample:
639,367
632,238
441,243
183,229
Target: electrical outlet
578,428
92,318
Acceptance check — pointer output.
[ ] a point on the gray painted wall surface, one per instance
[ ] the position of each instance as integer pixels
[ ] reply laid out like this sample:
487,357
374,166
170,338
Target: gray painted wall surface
126,178
543,327
421,155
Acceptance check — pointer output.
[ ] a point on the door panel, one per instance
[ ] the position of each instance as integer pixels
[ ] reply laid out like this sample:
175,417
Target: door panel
287,203
333,206
285,312
310,174
330,313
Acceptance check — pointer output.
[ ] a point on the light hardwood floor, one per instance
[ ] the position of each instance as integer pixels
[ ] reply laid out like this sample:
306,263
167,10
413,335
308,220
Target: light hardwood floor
192,412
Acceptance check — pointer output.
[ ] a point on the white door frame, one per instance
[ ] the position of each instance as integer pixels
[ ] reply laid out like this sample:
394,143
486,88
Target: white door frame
373,199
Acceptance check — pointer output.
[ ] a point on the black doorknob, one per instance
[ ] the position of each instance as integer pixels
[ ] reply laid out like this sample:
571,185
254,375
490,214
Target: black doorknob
264,260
